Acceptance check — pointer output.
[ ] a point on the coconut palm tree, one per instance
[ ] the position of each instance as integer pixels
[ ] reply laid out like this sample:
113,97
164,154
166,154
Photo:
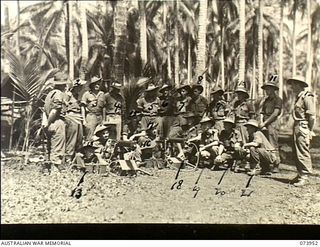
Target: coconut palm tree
242,39
84,39
30,84
201,43
120,22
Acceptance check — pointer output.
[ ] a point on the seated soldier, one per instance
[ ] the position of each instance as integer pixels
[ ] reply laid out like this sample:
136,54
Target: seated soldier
86,155
105,140
229,148
208,139
262,153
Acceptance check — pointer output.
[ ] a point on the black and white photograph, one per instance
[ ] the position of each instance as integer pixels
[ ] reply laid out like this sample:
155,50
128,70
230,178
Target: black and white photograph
160,112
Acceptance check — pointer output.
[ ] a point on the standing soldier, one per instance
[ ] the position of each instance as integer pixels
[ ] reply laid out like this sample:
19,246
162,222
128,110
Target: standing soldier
74,128
243,110
217,107
113,107
149,106
304,119
53,121
199,103
183,101
271,109
92,107
167,111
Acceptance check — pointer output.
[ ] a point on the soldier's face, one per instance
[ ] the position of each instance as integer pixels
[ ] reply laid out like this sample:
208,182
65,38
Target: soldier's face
165,92
105,134
296,88
205,126
269,91
183,92
196,92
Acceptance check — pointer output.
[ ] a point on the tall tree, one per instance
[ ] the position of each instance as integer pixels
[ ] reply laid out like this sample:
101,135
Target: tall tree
281,33
202,47
242,39
84,39
177,47
120,24
70,30
309,44
143,33
260,48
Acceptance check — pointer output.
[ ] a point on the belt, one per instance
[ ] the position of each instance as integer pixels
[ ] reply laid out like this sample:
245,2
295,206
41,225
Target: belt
112,113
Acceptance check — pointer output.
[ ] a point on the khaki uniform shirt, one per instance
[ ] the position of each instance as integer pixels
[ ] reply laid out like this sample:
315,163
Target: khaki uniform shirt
55,100
304,105
93,102
269,105
218,109
113,105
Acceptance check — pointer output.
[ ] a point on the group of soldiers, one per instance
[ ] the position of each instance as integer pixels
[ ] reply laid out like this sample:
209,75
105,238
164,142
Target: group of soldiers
220,133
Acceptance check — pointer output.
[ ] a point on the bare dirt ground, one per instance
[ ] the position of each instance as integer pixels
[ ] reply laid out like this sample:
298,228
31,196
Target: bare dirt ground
29,196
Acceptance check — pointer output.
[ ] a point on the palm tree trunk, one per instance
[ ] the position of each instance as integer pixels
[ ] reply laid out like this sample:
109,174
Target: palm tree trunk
85,45
281,52
70,33
294,61
143,34
167,27
222,56
201,54
260,49
176,51
253,83
120,24
242,39
189,59
309,54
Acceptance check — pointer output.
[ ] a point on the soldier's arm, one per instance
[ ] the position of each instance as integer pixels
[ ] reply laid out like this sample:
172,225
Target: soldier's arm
52,115
272,117
310,110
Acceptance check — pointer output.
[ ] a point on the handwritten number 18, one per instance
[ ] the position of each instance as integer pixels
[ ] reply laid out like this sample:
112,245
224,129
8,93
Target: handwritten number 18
179,184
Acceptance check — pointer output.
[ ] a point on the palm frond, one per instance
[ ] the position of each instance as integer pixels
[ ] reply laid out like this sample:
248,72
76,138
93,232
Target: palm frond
131,92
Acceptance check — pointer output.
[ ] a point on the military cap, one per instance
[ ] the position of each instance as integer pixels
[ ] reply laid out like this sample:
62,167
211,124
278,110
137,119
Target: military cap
186,87
205,119
298,79
241,87
101,128
95,79
164,87
198,86
116,84
229,120
217,89
270,84
151,87
252,122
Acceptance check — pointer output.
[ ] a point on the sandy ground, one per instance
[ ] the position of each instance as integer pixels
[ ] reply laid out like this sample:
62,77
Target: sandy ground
29,196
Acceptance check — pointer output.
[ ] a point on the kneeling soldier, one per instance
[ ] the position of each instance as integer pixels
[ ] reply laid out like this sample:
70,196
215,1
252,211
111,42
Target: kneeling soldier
229,144
208,139
262,153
